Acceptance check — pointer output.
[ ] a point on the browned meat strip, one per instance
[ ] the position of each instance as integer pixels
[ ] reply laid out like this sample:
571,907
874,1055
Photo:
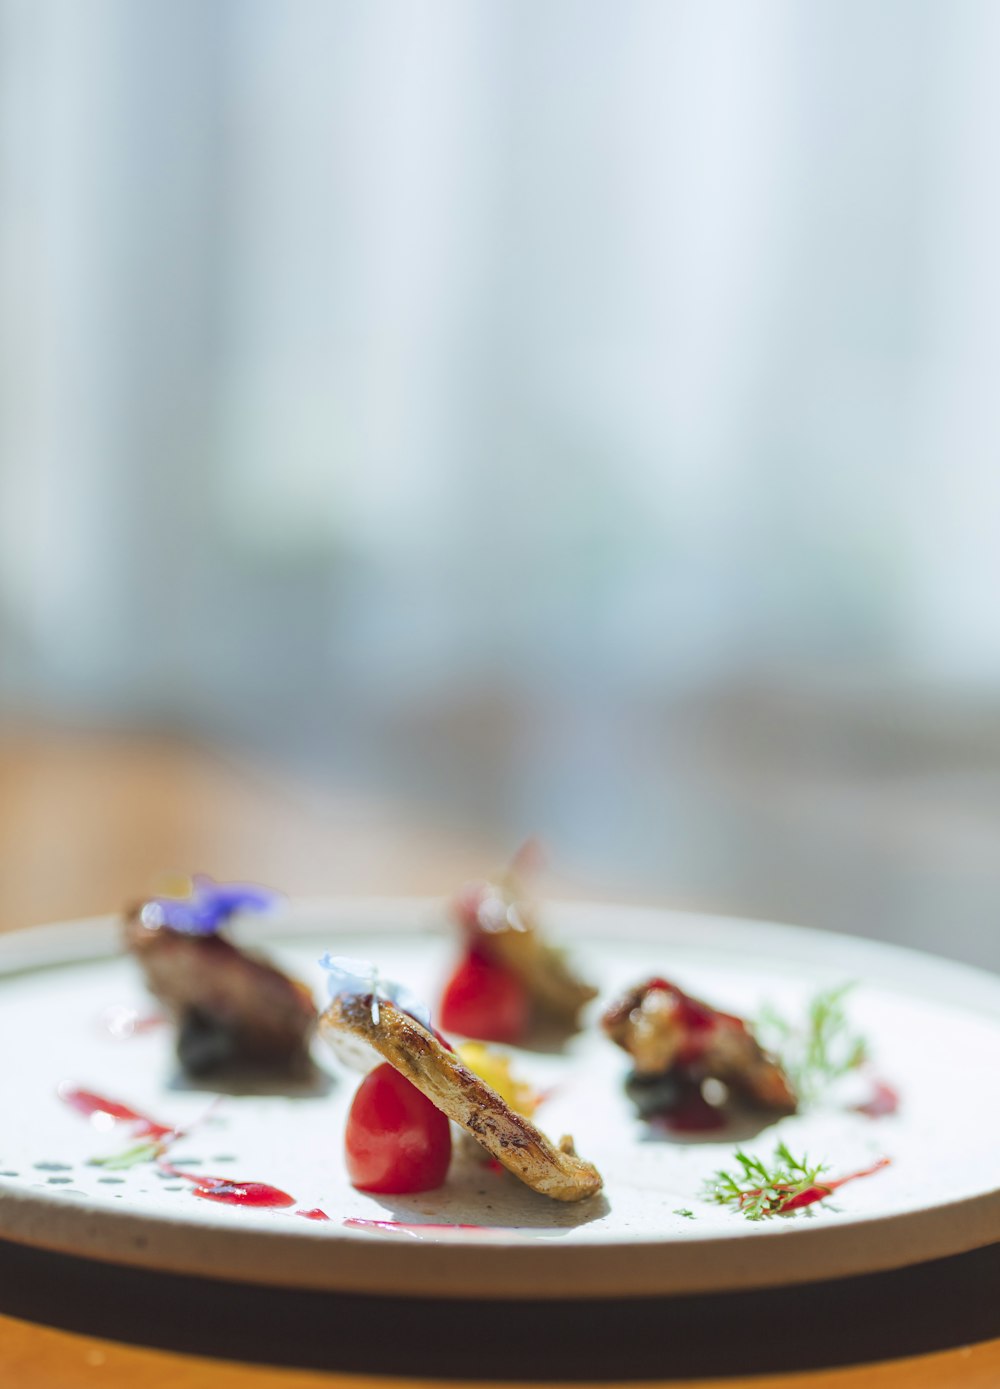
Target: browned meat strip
438,1073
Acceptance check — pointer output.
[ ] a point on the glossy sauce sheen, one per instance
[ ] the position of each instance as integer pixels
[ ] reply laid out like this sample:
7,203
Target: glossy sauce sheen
228,1190
884,1100
819,1192
400,1227
231,1191
88,1103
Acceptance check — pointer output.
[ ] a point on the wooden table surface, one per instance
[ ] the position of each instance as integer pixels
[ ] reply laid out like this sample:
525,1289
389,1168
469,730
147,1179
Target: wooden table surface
88,821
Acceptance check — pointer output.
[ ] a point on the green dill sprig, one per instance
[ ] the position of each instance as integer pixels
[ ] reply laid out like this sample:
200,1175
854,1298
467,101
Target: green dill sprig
818,1051
688,1215
138,1153
760,1189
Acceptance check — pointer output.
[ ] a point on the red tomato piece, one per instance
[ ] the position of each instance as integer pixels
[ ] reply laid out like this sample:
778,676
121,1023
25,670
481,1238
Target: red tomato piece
396,1140
485,1000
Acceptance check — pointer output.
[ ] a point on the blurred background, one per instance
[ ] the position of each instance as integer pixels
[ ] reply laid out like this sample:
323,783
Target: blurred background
423,425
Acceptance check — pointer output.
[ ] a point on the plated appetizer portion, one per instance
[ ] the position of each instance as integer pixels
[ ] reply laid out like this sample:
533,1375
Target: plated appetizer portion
388,1124
677,1042
231,1007
509,978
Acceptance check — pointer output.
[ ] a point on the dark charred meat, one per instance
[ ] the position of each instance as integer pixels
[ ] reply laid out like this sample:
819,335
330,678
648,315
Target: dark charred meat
231,1007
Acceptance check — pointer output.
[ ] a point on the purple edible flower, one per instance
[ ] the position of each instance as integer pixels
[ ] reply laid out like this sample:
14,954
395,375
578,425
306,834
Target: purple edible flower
209,906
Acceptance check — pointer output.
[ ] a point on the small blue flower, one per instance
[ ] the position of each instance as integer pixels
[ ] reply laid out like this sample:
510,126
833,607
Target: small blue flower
208,907
349,978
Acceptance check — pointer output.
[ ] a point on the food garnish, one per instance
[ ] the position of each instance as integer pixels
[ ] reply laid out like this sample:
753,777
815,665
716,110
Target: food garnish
206,906
822,1048
494,1068
759,1189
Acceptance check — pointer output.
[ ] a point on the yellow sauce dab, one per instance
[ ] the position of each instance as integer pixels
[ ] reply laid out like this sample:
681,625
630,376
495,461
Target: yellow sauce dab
494,1068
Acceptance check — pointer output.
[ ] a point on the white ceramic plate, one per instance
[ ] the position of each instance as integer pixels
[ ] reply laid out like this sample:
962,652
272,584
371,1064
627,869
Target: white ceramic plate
934,1029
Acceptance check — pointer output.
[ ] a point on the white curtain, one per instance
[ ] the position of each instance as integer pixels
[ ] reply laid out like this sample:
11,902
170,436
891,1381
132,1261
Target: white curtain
395,346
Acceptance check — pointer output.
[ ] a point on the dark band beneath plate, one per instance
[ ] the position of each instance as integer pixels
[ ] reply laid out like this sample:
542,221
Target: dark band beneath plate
927,1307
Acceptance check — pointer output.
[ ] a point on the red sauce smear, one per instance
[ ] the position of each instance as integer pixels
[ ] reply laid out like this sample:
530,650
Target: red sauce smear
86,1102
150,1022
401,1228
231,1191
314,1214
884,1100
822,1190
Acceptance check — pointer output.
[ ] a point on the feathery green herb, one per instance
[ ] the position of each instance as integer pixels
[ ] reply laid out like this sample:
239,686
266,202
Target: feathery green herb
819,1050
130,1157
759,1189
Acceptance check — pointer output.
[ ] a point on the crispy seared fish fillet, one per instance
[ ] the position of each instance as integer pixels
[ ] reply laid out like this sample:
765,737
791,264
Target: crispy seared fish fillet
499,922
464,1097
230,1006
662,1027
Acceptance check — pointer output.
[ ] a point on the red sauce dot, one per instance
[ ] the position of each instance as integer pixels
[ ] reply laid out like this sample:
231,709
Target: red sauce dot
236,1193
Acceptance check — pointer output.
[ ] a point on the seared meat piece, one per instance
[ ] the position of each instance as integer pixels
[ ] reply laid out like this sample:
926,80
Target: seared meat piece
231,1007
668,1033
463,1096
499,922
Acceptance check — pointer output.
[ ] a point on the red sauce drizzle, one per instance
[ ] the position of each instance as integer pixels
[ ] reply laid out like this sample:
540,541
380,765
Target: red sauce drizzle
231,1191
87,1103
236,1193
149,1023
884,1100
821,1190
400,1227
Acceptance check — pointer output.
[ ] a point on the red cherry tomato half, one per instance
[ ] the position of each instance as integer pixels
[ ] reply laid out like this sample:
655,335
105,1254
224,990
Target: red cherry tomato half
396,1140
483,999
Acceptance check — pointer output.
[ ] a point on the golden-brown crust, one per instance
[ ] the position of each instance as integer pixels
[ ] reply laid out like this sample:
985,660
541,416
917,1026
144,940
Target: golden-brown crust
438,1073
